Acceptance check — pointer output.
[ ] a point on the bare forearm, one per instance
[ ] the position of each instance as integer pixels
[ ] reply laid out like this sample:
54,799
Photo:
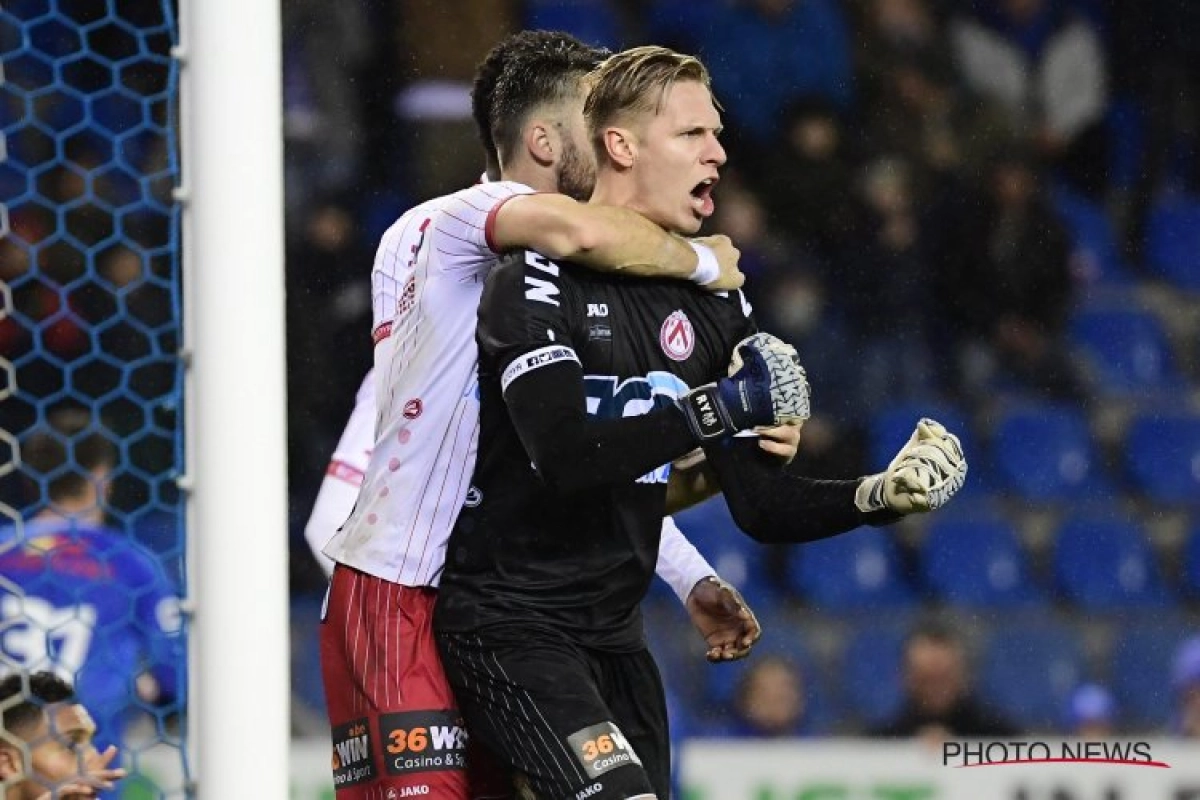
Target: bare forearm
605,238
624,241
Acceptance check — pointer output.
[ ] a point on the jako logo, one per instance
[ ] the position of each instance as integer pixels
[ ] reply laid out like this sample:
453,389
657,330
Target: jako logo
597,309
413,408
588,791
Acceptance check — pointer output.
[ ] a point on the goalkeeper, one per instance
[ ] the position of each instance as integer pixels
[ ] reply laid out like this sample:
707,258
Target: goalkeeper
774,506
584,397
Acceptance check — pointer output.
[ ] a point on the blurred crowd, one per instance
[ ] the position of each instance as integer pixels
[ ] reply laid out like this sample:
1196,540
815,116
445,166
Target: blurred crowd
926,193
906,182
897,178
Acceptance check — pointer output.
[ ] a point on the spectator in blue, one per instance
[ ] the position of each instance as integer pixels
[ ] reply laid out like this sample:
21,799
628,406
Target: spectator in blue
764,54
1091,713
81,599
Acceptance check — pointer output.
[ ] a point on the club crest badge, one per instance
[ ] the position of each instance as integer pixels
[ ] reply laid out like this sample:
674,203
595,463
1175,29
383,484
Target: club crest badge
677,336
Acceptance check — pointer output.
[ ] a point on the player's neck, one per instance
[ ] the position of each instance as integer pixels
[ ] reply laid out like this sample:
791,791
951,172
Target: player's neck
616,189
535,176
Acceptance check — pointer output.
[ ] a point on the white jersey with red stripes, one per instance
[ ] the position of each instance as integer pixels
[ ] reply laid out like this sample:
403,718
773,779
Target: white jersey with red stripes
425,286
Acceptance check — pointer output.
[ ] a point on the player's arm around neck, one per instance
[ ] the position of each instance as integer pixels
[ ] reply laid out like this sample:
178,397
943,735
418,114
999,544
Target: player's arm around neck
612,239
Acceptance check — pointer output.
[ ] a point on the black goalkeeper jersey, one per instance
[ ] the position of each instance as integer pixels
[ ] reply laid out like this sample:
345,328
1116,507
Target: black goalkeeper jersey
579,560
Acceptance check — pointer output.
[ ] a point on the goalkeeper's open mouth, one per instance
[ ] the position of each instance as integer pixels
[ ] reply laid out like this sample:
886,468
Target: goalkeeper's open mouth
702,199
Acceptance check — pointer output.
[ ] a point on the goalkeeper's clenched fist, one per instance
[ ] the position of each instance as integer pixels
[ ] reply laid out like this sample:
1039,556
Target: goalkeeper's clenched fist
766,386
924,475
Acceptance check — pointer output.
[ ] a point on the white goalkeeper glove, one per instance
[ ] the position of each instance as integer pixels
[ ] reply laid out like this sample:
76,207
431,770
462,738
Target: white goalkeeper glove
929,469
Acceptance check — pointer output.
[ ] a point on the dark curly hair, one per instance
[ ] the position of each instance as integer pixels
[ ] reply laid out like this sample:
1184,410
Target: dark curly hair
526,70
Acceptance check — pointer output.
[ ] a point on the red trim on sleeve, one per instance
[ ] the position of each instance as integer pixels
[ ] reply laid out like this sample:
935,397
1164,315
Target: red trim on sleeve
381,333
489,226
344,472
490,223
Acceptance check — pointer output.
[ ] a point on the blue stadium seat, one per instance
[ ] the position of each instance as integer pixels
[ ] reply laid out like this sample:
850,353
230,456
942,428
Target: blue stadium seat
1127,350
591,21
1173,242
1046,453
871,672
1162,453
1029,669
856,571
890,429
1104,563
735,556
1141,671
1095,241
978,563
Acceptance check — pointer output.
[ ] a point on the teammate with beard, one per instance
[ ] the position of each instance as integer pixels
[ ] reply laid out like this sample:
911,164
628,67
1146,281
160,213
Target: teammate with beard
382,676
585,394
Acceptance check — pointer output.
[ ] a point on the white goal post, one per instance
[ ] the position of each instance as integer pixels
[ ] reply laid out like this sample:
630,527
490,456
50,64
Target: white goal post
232,192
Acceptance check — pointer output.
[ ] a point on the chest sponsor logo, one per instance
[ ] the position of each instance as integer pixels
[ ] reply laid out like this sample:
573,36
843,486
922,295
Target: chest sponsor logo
677,337
599,332
352,762
601,748
609,397
423,741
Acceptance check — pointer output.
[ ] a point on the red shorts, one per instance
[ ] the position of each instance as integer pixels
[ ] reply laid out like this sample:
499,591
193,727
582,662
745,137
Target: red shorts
396,728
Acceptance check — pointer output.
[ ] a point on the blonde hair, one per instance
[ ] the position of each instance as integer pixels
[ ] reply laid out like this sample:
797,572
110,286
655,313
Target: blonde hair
636,81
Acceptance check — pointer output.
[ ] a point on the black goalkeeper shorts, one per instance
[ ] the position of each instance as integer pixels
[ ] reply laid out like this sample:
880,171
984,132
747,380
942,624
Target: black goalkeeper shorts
578,723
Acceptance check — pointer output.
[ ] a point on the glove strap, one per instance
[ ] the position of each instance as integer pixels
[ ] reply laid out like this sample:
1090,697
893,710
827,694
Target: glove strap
706,414
869,495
